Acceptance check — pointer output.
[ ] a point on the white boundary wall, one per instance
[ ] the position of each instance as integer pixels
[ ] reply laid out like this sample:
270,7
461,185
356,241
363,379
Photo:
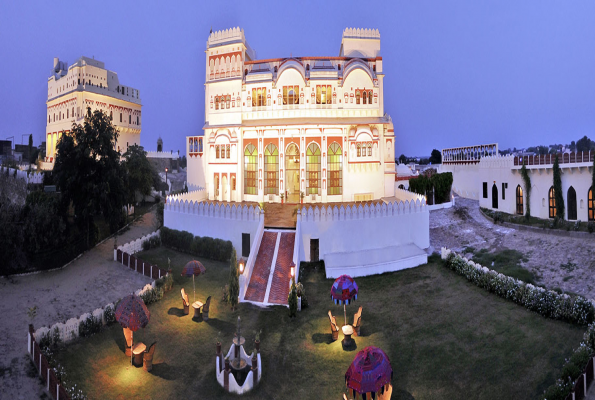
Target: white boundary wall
376,233
219,221
136,245
465,179
33,177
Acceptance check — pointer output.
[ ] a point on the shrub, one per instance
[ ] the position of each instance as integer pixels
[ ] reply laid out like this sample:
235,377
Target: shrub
89,326
591,227
109,314
234,281
152,242
207,247
292,301
51,339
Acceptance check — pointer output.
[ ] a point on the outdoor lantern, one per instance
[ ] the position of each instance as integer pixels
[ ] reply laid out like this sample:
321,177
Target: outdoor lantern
241,265
292,265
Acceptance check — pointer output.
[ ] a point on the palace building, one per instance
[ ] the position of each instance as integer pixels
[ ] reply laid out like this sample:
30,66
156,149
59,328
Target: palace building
86,83
293,130
311,127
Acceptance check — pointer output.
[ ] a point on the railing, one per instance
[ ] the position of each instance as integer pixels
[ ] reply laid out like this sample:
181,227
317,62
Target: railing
247,275
563,158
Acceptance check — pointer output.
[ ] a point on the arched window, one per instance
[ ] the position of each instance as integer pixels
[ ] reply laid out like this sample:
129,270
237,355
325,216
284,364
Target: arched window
291,95
369,149
313,168
591,205
335,169
250,164
357,96
552,202
401,186
364,97
519,200
494,196
72,112
49,119
216,103
370,97
137,120
359,150
217,151
228,101
111,115
571,200
271,169
129,118
227,151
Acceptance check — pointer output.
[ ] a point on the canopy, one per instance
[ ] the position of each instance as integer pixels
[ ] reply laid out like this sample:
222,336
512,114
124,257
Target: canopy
132,313
344,290
369,372
193,268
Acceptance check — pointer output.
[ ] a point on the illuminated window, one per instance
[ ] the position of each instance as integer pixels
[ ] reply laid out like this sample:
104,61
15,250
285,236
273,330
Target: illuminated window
357,96
233,182
359,150
552,202
228,101
216,103
335,169
519,200
271,169
250,164
364,97
227,153
370,96
291,95
217,151
324,94
370,149
313,168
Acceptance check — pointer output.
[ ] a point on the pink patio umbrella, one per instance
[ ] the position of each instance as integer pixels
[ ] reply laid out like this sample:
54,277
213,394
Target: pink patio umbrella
369,372
344,291
132,313
193,268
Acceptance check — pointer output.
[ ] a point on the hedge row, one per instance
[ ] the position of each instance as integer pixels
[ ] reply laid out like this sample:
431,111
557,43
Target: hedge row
550,304
207,247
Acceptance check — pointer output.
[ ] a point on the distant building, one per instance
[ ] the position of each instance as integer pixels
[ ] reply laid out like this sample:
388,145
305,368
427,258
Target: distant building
163,159
84,84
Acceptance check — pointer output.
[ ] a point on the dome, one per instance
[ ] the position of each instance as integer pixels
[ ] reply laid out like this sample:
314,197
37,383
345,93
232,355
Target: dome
404,170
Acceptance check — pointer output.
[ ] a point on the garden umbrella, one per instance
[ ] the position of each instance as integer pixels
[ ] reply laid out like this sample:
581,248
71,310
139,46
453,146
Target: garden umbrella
344,291
193,268
132,313
369,372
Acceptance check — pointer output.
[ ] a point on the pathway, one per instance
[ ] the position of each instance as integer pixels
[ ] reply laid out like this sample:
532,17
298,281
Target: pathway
90,282
269,283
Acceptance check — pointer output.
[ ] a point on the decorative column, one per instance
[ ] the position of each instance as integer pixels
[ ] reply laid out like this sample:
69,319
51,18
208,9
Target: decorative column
226,376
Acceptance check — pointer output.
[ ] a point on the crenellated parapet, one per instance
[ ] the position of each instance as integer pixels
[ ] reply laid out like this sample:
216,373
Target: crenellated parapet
361,33
345,213
215,210
468,154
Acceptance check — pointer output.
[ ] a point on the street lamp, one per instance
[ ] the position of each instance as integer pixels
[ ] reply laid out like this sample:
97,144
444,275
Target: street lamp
292,265
166,169
241,264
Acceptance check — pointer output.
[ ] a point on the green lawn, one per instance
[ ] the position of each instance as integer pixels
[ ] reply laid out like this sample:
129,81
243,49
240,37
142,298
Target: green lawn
446,339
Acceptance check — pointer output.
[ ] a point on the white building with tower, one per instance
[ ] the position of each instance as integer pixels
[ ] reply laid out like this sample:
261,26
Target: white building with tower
295,130
87,83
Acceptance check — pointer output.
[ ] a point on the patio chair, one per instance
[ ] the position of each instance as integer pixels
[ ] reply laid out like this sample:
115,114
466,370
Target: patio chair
185,302
205,309
357,321
334,327
148,357
128,336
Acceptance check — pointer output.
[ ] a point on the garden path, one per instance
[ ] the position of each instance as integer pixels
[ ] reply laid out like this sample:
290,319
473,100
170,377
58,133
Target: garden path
557,262
90,282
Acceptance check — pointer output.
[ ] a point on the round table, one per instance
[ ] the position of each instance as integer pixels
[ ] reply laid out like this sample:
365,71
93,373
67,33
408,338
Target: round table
138,350
347,332
197,305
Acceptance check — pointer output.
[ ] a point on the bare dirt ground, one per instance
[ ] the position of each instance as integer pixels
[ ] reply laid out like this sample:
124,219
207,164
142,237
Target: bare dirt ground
90,282
557,262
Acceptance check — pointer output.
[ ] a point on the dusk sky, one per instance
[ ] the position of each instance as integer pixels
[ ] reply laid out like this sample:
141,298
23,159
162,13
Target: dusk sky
458,73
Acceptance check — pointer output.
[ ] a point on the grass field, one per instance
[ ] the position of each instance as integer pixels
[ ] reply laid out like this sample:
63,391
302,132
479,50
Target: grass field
446,339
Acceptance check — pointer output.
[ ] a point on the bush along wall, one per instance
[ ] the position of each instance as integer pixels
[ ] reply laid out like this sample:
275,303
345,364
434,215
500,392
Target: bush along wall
575,309
207,247
441,183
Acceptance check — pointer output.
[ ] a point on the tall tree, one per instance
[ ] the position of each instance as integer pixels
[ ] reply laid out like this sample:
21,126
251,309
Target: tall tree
558,190
89,172
234,280
402,159
436,157
573,146
139,172
585,144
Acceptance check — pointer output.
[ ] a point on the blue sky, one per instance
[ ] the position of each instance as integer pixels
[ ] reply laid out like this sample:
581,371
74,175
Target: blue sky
458,73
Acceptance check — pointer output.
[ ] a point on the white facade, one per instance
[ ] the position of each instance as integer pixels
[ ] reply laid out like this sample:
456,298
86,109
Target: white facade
286,126
84,84
497,183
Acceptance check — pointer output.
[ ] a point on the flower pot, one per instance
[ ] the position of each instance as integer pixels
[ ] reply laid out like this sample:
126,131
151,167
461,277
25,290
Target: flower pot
218,347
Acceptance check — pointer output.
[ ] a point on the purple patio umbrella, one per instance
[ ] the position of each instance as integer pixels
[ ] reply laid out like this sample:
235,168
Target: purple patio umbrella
369,372
193,268
132,313
344,291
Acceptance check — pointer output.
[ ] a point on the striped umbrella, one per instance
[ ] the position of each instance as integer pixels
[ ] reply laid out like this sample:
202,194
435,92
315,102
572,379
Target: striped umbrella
344,291
132,313
369,372
193,268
